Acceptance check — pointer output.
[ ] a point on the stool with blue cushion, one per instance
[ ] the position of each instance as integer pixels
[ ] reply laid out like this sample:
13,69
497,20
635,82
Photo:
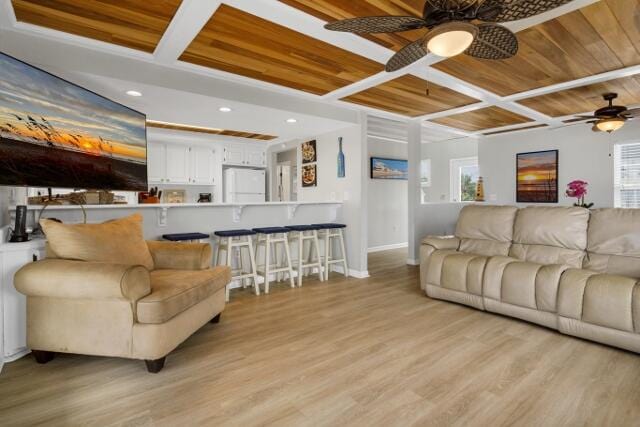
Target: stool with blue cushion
328,232
269,238
238,239
185,237
300,234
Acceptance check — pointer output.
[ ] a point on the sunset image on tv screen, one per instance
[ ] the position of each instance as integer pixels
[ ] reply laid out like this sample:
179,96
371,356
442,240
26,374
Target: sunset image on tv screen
56,134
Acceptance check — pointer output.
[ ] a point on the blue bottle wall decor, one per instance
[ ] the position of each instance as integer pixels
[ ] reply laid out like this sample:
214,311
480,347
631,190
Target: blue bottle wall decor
341,171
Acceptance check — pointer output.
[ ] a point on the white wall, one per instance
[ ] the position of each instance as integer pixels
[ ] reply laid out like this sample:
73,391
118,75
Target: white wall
387,206
440,154
583,154
350,190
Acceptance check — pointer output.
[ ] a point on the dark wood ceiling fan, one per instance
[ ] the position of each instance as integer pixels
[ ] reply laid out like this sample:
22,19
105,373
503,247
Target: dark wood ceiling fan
454,27
609,118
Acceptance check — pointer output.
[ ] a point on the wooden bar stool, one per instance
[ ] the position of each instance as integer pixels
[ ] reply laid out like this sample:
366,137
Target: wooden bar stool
270,238
328,232
301,234
238,239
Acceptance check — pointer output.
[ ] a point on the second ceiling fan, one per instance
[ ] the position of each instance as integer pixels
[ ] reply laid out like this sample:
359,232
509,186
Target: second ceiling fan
455,26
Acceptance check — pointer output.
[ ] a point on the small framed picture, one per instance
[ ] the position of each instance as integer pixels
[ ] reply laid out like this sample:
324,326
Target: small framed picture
309,176
174,196
309,154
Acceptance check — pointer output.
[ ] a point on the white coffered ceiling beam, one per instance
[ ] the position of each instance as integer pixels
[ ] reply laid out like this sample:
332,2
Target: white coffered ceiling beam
596,78
7,15
186,24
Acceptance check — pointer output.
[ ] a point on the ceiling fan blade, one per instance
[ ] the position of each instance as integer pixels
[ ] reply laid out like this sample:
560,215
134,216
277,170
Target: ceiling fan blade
377,24
407,56
579,119
493,42
513,10
633,113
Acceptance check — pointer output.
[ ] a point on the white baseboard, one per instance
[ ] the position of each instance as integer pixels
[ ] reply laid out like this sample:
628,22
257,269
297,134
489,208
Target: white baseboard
17,355
388,247
411,261
353,273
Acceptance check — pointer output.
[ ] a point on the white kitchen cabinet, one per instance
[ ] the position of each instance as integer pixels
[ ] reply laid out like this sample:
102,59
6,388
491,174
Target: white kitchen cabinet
202,166
255,158
233,155
13,305
156,161
180,164
177,161
238,155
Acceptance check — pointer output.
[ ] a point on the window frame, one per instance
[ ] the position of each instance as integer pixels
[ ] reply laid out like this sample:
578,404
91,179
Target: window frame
455,167
617,186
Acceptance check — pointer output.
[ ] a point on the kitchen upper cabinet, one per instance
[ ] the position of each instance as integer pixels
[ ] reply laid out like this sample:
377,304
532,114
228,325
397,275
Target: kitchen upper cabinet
233,155
156,161
256,158
177,161
238,155
180,164
202,165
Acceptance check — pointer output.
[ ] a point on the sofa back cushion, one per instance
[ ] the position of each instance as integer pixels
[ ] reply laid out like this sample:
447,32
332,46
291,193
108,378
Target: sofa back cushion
613,244
118,241
485,229
550,235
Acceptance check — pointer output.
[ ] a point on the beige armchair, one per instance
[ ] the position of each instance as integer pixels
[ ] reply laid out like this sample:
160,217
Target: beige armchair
108,309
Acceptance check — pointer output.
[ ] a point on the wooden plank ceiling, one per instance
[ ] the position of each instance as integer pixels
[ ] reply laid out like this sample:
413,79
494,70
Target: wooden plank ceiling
601,37
586,98
485,118
212,131
407,95
334,10
244,44
130,23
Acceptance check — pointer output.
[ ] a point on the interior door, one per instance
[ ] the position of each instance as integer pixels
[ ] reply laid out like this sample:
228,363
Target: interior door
177,164
156,161
202,165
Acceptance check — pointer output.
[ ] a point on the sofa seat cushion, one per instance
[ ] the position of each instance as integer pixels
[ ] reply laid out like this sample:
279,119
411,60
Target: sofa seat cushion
524,284
456,271
174,291
604,300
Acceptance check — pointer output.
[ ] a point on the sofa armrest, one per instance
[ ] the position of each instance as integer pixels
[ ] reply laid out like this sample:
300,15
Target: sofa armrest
180,256
429,245
62,278
442,242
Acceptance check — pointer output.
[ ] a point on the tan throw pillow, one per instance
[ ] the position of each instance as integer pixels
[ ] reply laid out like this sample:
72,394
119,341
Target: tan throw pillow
118,241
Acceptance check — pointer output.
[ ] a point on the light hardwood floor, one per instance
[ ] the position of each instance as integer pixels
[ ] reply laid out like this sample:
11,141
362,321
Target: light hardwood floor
348,352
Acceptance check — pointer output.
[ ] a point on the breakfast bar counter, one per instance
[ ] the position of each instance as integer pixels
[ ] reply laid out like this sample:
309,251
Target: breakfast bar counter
165,218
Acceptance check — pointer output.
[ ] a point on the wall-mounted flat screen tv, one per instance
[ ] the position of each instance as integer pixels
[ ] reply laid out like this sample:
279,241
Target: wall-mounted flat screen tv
54,133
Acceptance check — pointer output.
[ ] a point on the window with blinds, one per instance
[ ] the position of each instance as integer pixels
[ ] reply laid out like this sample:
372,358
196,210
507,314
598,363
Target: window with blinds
627,175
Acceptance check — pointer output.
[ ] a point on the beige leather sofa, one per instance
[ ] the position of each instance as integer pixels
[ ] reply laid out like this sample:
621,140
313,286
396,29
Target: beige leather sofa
108,309
566,268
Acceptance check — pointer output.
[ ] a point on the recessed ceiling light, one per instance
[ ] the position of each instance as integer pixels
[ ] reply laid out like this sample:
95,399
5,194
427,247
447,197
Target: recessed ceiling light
133,93
292,121
224,109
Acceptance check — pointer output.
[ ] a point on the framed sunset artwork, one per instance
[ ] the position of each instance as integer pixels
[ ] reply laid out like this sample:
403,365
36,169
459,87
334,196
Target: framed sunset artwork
537,177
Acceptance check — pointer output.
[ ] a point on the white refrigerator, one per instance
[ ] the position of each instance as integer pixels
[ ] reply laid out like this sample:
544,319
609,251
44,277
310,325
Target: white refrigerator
244,185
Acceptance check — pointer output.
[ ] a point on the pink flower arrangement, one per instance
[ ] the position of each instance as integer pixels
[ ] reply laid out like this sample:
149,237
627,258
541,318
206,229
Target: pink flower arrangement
578,189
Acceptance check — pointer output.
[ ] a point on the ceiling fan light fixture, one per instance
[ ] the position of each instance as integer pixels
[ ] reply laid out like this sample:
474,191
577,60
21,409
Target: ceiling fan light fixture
610,125
451,39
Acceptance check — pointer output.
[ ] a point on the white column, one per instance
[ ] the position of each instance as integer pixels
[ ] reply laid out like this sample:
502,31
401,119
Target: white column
413,194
